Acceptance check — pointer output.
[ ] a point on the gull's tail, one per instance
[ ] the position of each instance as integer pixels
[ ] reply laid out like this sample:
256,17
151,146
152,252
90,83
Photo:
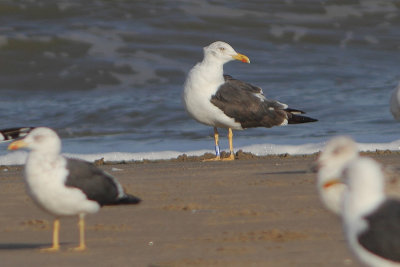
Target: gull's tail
128,199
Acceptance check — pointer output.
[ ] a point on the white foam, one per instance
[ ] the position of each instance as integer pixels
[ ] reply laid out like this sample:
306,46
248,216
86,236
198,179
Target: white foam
202,8
334,12
19,157
13,158
279,31
105,45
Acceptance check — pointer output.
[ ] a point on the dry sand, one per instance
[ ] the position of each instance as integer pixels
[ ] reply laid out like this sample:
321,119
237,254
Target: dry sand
250,212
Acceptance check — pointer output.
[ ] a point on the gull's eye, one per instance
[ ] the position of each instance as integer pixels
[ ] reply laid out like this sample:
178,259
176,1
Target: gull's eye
38,138
222,48
338,150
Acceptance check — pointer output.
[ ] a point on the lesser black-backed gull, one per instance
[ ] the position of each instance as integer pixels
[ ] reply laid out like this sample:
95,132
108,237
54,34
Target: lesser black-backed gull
395,103
371,220
221,101
14,133
66,187
336,155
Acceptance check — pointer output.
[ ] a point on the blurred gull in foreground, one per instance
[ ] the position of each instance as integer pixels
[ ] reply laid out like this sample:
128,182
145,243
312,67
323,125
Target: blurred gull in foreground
337,153
371,220
66,187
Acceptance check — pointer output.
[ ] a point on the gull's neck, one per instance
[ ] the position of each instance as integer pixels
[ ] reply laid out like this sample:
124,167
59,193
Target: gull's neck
213,67
38,164
367,196
43,156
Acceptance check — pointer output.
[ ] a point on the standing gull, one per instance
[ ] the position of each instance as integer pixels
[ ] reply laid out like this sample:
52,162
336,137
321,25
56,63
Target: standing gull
66,187
395,103
371,220
221,101
335,156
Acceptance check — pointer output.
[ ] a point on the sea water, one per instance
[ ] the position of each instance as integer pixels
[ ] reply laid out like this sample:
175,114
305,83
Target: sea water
108,75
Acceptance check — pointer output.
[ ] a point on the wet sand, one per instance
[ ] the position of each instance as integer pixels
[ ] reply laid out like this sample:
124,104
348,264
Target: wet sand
250,212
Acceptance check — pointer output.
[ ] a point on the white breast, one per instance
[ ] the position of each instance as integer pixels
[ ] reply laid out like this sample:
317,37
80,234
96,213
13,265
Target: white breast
45,179
199,87
332,197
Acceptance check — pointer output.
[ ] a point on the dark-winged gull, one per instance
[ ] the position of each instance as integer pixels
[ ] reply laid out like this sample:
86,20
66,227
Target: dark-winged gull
336,155
371,220
14,133
395,103
221,101
66,187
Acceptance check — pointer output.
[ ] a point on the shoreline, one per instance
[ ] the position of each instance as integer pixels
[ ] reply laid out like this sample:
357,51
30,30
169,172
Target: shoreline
239,155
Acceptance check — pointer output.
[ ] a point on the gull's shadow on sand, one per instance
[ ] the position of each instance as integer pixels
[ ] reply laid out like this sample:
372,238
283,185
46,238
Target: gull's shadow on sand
22,246
285,172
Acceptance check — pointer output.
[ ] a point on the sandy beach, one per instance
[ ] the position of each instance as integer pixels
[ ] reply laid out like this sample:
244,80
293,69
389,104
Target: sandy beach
250,212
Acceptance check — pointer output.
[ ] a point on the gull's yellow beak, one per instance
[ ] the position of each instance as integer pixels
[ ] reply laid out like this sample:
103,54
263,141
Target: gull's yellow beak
242,58
17,145
332,182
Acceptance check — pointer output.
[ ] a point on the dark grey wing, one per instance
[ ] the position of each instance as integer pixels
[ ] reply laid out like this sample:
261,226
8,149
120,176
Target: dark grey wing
383,234
96,184
14,133
248,106
243,85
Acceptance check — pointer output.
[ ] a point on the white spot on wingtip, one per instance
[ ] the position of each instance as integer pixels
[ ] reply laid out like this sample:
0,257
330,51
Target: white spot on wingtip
285,106
260,96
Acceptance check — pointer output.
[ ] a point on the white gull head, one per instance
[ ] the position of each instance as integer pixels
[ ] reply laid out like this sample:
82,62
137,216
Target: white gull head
222,52
337,153
42,140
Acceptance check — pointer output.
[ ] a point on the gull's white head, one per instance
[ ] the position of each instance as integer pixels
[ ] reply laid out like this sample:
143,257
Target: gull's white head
40,139
337,153
223,52
331,163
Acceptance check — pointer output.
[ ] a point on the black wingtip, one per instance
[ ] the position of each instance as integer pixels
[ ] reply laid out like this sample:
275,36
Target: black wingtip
129,200
296,119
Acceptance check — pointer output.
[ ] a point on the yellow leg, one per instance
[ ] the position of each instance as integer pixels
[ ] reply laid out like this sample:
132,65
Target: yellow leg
230,138
56,231
81,224
217,151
